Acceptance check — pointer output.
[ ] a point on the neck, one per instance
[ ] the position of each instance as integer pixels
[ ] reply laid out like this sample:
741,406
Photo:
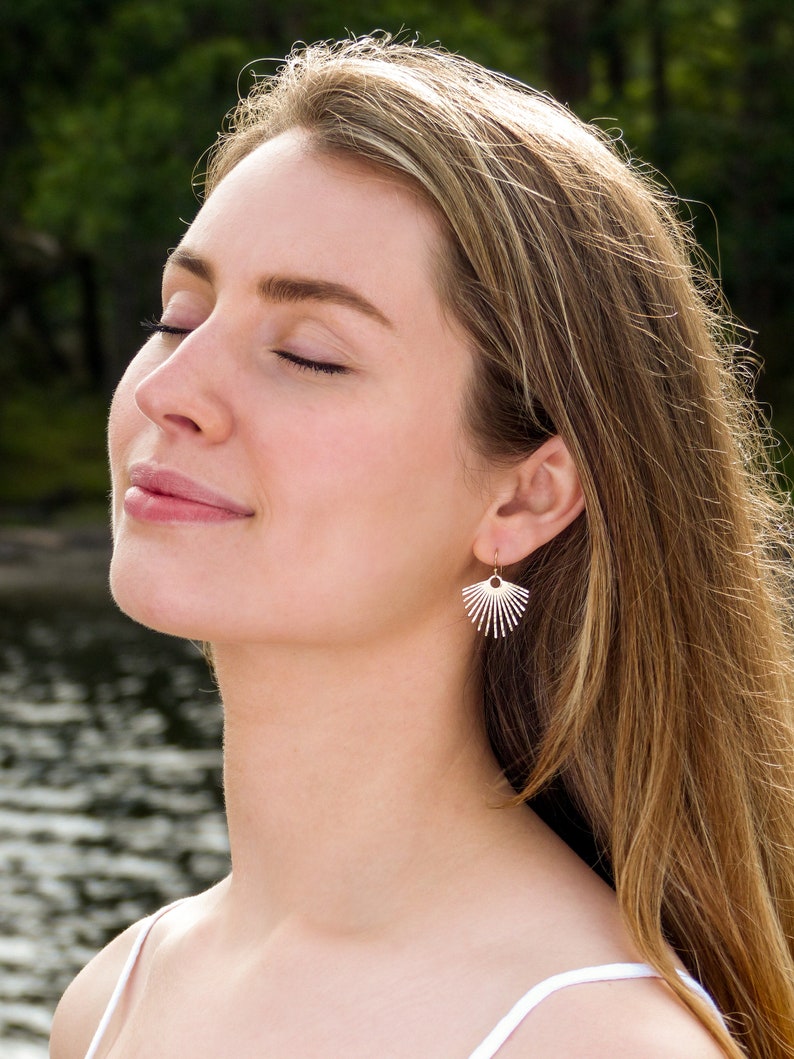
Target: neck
355,781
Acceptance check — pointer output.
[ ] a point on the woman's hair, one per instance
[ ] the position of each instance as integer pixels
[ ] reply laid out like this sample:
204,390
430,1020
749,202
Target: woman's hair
648,691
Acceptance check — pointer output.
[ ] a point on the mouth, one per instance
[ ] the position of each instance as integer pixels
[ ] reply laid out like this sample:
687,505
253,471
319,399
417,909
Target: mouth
158,494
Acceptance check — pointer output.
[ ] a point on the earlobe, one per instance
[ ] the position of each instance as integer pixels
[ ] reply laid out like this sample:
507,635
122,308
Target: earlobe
532,502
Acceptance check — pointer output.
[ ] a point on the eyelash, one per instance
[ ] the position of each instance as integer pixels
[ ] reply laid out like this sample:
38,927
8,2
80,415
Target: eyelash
319,367
157,327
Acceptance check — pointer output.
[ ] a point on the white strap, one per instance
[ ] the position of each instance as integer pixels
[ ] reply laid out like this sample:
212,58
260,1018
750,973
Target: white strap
126,971
609,972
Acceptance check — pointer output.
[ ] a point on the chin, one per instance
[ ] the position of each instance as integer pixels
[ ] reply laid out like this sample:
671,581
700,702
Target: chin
153,602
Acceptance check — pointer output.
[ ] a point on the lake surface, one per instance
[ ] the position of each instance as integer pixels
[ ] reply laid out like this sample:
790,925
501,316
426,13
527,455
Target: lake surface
110,796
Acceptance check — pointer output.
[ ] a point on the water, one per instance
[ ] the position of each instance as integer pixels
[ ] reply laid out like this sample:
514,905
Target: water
110,798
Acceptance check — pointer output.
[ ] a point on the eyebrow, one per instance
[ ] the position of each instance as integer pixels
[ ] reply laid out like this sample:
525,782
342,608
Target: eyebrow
190,262
289,289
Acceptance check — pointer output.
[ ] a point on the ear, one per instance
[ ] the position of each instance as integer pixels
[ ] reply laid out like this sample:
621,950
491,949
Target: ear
532,502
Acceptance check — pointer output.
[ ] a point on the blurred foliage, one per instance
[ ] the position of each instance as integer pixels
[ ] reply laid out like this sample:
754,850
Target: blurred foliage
53,452
107,105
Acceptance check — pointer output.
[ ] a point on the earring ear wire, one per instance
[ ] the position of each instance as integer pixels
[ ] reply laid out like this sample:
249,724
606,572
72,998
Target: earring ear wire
495,603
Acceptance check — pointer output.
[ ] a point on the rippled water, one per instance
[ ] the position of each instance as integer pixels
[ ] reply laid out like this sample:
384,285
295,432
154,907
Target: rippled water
110,800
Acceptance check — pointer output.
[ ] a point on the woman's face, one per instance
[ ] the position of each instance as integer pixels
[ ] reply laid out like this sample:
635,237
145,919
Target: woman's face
288,454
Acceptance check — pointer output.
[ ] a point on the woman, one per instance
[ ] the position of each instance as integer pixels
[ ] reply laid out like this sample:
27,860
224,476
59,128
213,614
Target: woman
429,332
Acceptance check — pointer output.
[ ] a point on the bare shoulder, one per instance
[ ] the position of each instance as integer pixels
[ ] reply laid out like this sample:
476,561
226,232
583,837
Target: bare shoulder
634,1019
82,1005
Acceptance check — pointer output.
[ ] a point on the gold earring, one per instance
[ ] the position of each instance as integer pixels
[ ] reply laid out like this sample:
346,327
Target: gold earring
495,603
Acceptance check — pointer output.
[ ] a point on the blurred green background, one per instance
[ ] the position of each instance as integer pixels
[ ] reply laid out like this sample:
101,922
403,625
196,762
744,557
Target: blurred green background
107,105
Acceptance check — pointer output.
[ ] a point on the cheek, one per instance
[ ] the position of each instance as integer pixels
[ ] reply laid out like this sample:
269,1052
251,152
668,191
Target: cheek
125,422
122,411
125,415
366,483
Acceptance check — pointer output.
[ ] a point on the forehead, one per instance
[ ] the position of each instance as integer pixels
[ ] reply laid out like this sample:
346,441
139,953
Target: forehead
287,207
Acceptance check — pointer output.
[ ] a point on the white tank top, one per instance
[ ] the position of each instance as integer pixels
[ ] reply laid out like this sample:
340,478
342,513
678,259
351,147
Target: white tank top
608,972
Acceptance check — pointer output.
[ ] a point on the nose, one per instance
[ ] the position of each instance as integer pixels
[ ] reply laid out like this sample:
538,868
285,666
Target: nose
184,393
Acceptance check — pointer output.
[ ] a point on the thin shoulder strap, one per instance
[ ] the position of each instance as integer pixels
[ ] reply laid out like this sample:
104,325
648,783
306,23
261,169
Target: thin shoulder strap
124,977
609,972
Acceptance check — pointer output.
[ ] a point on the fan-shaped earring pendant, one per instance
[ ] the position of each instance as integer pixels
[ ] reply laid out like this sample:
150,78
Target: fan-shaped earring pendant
496,604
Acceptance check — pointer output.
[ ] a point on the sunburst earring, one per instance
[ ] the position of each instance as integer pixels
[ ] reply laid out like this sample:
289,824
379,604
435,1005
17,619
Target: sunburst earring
495,603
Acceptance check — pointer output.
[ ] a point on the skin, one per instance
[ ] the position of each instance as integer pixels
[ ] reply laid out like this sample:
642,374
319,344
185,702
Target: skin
382,901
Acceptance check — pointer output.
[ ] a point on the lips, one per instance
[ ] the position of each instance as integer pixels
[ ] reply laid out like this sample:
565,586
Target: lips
157,494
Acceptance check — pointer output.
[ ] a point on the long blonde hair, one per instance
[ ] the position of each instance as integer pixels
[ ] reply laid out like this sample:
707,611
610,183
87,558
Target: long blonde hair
650,688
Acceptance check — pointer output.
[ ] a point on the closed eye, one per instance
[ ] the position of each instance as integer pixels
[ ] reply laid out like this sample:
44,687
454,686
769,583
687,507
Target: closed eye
320,367
157,327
